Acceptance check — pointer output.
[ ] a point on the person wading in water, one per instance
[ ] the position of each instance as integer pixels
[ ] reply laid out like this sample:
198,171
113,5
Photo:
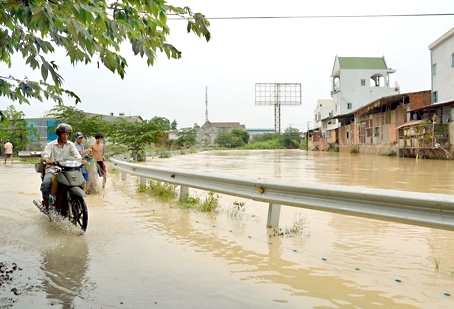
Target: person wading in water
98,154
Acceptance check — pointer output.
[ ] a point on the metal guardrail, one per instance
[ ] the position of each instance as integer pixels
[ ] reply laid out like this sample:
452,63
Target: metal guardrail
425,209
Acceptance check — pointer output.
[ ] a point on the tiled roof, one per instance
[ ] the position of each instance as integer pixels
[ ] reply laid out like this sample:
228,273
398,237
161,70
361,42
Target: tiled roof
227,125
358,63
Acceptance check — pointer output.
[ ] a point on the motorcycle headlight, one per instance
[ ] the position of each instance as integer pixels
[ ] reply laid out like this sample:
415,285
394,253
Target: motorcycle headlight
71,163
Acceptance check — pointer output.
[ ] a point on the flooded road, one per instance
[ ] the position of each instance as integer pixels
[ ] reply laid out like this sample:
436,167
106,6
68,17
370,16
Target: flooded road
138,253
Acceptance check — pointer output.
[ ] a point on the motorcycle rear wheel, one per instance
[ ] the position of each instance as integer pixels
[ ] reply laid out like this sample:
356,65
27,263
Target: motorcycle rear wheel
79,211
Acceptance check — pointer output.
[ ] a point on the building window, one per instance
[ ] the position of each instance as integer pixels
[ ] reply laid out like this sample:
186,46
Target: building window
376,131
434,96
349,105
363,82
452,60
434,69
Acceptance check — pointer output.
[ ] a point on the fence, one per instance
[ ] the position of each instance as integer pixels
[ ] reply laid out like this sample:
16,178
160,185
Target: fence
432,210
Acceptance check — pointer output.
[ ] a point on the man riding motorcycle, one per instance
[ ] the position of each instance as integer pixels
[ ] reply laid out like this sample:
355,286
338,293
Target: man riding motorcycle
58,149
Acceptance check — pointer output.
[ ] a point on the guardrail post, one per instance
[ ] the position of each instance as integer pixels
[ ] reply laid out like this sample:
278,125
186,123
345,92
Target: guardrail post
143,180
184,192
123,175
274,211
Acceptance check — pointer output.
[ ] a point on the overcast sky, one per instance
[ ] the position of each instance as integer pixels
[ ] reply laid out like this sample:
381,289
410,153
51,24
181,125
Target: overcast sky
244,52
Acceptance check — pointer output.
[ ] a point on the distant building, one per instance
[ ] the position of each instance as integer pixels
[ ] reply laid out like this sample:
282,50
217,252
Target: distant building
324,111
48,121
112,118
260,131
42,124
207,133
442,68
172,134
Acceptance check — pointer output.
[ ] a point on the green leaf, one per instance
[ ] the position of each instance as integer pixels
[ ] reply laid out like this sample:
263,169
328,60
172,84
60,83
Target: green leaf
44,71
70,27
84,29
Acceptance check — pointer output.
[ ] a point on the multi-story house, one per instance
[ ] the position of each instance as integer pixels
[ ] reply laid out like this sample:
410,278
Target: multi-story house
323,111
442,62
357,81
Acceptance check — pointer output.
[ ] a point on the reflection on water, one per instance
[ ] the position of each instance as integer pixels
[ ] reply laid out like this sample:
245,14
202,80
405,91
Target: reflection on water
65,264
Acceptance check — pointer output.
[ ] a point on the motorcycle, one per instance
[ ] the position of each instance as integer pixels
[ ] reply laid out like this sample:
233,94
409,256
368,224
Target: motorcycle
67,192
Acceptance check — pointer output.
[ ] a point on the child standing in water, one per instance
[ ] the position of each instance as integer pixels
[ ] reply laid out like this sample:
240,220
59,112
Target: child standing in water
98,154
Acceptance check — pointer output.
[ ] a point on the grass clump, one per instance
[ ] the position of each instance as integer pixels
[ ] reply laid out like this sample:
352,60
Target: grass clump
236,209
162,191
141,187
211,203
190,201
437,261
297,228
299,224
31,160
165,154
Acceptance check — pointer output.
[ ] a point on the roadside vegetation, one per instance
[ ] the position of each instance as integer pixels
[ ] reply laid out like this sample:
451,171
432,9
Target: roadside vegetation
299,226
14,127
168,193
241,139
162,191
125,135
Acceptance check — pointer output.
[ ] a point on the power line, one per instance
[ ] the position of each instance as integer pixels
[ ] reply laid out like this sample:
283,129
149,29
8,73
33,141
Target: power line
324,16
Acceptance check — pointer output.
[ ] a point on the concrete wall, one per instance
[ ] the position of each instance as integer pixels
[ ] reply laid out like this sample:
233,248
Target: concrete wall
383,149
419,99
443,80
351,90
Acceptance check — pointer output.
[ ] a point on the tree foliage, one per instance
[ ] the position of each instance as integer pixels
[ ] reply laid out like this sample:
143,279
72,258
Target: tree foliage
234,139
290,139
15,128
186,137
87,30
79,120
174,125
138,135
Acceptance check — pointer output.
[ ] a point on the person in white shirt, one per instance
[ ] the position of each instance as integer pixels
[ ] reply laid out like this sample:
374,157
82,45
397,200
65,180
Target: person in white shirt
8,151
59,149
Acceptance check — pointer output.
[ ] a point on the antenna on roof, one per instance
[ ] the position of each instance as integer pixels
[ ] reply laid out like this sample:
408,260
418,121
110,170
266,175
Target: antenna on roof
206,103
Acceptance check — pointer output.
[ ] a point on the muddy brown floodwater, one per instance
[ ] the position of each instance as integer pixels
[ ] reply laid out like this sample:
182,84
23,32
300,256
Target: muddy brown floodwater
138,253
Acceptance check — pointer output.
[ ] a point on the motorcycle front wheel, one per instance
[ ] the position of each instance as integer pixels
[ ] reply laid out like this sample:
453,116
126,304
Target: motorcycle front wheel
79,212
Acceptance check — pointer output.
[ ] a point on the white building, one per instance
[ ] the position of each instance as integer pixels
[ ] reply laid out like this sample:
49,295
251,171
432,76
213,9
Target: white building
357,81
442,61
323,113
